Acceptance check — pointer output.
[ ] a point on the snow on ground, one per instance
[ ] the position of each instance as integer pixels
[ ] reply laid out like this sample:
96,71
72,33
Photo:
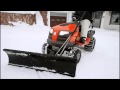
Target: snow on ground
21,37
102,63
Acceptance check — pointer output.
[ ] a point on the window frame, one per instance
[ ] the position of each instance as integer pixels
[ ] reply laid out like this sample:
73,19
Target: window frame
110,22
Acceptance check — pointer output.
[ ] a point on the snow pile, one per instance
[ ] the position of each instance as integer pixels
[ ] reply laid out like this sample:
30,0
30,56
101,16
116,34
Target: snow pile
39,19
18,23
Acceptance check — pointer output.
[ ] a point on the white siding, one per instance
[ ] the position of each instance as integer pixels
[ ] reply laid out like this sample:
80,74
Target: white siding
106,22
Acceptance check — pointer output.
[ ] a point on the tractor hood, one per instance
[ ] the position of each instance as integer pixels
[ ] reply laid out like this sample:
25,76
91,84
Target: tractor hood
64,27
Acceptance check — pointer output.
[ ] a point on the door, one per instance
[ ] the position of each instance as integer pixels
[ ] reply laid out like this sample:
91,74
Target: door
98,18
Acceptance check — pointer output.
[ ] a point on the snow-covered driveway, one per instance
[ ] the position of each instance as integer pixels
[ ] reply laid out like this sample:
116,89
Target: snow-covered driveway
102,63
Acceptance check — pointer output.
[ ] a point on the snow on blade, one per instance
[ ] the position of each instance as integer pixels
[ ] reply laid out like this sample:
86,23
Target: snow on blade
43,68
17,54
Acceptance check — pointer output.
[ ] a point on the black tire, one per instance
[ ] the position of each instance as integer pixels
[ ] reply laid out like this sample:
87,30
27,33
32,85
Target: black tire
49,49
77,55
90,47
43,48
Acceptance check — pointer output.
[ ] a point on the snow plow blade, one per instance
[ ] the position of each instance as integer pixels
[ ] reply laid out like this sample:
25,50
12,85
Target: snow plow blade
42,62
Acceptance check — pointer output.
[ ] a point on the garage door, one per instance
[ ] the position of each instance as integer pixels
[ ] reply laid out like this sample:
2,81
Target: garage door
55,20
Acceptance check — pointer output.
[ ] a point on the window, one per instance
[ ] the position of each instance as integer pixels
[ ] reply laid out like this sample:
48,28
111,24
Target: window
52,19
115,18
58,19
63,19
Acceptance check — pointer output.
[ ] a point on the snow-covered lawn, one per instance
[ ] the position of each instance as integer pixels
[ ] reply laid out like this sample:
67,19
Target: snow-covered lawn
102,63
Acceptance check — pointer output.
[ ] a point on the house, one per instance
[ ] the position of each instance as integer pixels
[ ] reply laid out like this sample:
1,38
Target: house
102,19
57,17
105,20
110,20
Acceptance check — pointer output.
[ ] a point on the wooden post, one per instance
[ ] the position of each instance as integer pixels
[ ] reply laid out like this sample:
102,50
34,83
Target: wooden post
44,15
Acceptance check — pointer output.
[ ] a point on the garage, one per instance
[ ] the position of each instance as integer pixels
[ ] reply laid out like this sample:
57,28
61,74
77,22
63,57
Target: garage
57,18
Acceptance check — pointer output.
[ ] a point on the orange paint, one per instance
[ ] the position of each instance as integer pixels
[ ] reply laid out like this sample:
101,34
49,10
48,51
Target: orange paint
88,40
70,27
74,36
55,35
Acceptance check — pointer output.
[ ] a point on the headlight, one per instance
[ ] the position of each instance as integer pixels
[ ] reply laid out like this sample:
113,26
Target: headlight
51,30
64,32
